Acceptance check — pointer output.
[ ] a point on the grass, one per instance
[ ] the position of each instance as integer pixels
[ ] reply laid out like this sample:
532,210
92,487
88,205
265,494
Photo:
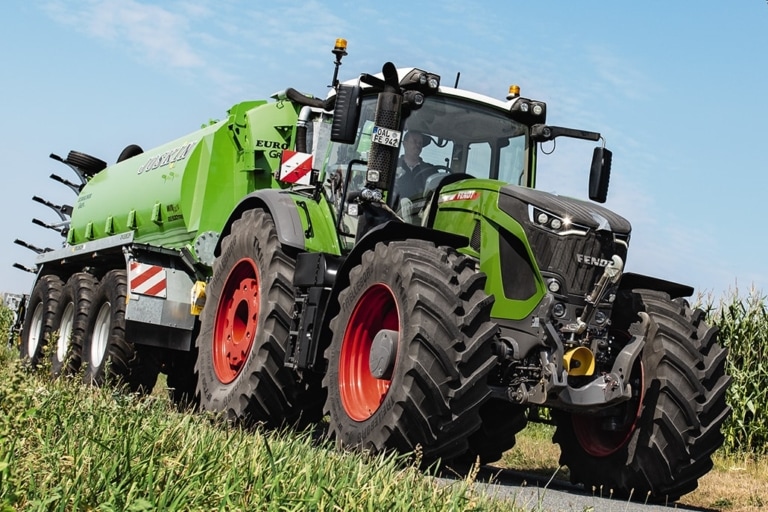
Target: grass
64,446
68,447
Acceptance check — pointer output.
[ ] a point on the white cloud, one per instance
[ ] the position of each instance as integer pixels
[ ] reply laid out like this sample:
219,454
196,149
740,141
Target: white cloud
159,35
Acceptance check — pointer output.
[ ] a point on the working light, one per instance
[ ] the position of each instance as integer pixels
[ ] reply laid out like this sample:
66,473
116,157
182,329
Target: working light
340,46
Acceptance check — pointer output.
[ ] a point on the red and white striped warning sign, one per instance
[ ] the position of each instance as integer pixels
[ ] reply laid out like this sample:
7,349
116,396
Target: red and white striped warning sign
295,167
147,279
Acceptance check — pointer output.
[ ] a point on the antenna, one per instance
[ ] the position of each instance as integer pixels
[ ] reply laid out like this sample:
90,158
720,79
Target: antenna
456,85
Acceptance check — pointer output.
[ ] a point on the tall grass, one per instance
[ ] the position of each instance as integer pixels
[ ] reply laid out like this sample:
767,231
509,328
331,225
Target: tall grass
743,324
65,446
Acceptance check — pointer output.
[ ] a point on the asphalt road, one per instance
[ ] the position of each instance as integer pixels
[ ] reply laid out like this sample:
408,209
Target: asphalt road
536,493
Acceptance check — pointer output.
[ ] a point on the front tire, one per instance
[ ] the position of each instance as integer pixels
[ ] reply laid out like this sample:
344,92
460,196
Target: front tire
245,328
671,428
410,352
39,319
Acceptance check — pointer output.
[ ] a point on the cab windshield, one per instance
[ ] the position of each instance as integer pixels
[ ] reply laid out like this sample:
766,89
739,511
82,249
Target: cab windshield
452,136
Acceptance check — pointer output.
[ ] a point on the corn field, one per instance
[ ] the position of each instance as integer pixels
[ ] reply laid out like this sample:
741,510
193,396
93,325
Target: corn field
743,324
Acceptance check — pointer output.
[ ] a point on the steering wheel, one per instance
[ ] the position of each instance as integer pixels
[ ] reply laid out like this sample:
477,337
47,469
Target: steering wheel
424,173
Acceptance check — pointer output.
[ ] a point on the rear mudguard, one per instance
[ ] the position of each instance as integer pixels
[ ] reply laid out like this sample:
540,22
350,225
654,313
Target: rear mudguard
302,222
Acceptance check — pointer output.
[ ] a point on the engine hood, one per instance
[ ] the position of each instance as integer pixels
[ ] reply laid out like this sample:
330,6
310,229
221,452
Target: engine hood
580,213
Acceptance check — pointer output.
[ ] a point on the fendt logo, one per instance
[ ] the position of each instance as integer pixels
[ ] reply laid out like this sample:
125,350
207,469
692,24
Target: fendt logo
591,260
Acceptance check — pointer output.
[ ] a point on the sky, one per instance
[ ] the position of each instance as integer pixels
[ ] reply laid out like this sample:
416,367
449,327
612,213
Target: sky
679,91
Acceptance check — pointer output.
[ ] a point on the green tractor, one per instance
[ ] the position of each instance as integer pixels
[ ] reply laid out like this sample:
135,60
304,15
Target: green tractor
382,258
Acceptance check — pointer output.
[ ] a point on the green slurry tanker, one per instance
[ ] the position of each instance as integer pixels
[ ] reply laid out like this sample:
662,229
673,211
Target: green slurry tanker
381,258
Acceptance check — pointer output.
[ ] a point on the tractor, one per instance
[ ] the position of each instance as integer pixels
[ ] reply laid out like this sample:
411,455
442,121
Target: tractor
286,265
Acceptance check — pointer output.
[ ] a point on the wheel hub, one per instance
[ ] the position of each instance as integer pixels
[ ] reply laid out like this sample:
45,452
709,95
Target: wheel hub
383,352
236,320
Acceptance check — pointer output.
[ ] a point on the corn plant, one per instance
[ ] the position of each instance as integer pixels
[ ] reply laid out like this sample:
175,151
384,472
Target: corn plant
743,324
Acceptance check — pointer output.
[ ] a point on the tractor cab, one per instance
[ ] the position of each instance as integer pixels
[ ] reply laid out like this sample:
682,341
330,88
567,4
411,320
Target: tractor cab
397,138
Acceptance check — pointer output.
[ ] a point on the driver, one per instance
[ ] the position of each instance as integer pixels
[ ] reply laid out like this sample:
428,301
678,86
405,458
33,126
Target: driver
408,181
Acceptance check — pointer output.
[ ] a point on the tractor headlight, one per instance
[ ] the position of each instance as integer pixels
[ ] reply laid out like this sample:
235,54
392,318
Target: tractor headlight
552,222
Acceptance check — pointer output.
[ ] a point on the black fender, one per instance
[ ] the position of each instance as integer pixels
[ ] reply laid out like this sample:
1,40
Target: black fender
630,281
284,213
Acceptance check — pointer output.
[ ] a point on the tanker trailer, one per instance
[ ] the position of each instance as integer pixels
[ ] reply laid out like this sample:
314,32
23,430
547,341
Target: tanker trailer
115,299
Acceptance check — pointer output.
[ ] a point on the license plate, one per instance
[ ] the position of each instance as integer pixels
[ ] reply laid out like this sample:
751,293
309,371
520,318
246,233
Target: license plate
386,137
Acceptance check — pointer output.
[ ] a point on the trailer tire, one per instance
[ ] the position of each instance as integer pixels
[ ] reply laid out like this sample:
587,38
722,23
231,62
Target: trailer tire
245,329
182,379
109,358
71,323
423,312
673,425
38,321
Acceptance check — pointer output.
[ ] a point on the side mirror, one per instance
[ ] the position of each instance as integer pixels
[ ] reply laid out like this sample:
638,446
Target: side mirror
346,114
600,174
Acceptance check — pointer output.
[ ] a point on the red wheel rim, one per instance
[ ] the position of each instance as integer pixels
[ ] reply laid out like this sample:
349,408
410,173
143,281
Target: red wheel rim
361,392
599,442
236,320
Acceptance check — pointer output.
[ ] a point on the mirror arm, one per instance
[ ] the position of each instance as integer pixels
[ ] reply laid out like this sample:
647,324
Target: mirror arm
543,133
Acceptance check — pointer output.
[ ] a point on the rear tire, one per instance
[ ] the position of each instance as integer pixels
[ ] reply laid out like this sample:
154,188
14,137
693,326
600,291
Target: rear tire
245,328
501,421
71,323
429,382
108,357
673,426
38,321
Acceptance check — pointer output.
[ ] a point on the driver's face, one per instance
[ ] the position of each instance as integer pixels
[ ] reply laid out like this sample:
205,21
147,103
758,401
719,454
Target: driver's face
412,145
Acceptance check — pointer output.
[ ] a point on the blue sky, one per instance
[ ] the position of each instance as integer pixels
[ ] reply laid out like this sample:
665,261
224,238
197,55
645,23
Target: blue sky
679,90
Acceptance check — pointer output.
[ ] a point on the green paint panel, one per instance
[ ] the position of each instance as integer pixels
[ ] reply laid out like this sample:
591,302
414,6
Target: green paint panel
462,206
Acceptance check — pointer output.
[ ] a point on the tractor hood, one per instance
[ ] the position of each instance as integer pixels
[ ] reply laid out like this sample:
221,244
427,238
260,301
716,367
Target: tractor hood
572,240
561,215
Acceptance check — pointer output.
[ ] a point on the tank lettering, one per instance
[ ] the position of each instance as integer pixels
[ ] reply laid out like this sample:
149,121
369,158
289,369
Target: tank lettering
270,144
167,157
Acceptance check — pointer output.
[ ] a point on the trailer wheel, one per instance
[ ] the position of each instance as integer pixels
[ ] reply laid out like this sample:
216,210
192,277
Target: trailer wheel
182,379
108,357
38,321
410,352
70,321
661,442
245,327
